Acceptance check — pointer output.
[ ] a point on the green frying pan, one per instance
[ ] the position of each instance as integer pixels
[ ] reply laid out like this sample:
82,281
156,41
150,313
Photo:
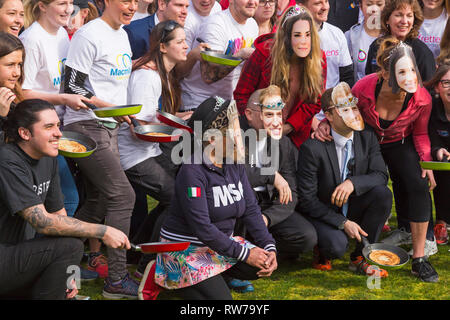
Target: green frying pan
435,165
220,58
116,111
89,143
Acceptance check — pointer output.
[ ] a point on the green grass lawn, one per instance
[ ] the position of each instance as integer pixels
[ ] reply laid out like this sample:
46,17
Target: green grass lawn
298,281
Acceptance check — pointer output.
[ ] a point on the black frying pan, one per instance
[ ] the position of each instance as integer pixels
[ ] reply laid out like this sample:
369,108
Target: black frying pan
369,248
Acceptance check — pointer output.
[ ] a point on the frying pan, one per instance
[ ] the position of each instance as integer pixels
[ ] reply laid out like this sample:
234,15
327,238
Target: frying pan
142,132
443,165
89,143
116,111
369,248
172,120
155,247
220,58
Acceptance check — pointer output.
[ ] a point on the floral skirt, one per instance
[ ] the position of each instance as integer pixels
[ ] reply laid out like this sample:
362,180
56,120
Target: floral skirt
180,269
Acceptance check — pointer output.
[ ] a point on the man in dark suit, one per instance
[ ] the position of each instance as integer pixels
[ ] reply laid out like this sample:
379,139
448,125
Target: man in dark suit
271,170
139,30
343,183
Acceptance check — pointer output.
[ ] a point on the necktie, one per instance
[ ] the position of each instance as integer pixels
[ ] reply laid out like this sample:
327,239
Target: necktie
348,155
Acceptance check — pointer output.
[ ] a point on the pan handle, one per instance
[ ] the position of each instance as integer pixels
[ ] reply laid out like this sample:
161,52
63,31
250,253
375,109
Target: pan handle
364,241
135,247
134,122
202,41
90,105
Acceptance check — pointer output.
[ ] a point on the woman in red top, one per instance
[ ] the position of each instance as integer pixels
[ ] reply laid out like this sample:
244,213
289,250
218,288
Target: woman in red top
292,60
394,104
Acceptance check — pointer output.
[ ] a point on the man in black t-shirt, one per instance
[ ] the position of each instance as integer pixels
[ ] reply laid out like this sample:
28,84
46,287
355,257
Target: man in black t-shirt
31,201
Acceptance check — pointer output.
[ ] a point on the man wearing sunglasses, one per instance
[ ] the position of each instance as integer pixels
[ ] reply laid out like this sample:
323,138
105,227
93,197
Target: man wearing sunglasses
342,184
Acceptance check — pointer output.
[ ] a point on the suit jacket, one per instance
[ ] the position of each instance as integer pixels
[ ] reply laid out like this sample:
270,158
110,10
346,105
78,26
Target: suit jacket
318,174
285,164
139,35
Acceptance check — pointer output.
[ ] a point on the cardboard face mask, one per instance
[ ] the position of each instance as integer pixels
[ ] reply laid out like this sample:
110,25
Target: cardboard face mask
272,116
406,75
234,129
403,71
346,106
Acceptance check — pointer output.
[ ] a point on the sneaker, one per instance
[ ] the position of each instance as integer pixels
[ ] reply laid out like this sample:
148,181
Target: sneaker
398,237
125,288
88,275
97,262
138,275
241,286
148,289
423,270
441,234
360,266
430,248
319,262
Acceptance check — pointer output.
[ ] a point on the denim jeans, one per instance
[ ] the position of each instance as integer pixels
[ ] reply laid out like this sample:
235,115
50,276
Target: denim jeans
68,187
109,195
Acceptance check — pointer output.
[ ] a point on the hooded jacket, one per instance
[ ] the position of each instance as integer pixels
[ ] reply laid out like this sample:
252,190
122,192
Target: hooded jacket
256,75
413,120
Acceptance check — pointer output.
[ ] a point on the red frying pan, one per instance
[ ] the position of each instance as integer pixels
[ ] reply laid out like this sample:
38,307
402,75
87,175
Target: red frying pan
154,132
155,247
172,120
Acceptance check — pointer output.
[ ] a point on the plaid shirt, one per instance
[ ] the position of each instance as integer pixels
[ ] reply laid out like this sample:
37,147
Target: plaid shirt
256,75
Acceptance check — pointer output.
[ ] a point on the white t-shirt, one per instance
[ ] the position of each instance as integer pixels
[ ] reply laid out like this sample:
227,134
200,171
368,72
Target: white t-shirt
219,31
140,15
360,48
45,56
431,32
333,42
194,21
144,88
104,54
191,27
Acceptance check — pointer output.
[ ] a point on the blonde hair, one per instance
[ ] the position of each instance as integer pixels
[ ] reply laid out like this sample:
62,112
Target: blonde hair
281,53
32,11
270,91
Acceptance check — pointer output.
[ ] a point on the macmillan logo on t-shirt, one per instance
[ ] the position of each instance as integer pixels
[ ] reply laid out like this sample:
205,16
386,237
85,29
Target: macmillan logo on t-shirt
123,69
362,55
57,80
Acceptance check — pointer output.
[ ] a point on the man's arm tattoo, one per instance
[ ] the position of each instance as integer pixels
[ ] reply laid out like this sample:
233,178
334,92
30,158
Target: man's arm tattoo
56,225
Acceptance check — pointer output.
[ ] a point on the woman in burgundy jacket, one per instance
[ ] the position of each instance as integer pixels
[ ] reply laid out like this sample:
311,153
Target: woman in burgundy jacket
292,60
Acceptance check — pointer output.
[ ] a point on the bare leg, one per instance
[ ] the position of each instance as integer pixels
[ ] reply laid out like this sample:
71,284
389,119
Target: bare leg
418,233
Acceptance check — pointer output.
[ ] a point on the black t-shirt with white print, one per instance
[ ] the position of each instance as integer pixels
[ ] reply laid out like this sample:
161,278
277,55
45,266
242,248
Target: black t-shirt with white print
25,182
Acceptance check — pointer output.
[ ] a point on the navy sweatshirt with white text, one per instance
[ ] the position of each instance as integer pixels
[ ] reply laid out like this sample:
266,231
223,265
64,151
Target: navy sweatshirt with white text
209,219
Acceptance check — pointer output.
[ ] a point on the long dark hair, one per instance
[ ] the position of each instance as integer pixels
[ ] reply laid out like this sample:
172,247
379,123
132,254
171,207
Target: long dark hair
8,44
24,115
171,91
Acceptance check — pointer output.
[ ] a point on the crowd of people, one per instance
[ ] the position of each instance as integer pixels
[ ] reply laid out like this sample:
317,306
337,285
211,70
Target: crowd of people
291,151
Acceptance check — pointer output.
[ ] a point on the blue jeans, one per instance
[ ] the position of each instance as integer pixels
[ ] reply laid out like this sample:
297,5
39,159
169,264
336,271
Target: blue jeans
68,187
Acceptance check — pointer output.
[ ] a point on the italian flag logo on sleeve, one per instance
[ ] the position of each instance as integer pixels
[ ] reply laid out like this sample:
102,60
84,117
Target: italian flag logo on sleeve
194,192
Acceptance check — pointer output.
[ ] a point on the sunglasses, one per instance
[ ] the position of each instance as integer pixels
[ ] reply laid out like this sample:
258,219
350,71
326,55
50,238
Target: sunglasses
168,28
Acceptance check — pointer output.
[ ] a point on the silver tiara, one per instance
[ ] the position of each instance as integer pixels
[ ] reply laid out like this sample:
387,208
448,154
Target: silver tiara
294,11
349,102
400,45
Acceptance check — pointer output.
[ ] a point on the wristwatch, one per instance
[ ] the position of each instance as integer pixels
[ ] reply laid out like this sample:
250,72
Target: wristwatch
341,226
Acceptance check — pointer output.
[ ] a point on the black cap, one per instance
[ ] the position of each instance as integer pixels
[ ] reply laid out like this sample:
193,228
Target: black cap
208,111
